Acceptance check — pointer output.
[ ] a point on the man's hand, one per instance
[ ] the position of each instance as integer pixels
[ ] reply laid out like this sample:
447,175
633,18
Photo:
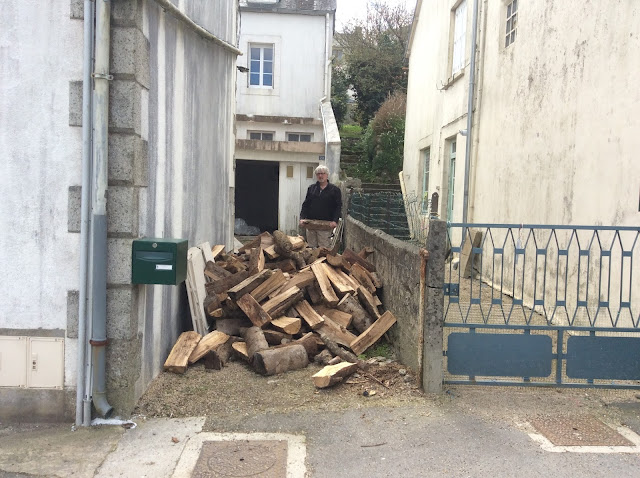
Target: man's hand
333,224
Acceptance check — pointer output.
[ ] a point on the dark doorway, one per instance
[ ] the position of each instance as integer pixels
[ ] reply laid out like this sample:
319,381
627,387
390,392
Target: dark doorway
257,193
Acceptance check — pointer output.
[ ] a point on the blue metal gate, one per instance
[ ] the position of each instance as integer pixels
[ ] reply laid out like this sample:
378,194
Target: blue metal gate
542,305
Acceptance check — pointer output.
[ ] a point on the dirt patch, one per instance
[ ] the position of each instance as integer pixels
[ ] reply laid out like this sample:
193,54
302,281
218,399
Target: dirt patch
237,390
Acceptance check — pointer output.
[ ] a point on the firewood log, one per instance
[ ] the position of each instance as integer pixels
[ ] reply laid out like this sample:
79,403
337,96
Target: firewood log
333,374
280,359
361,319
255,340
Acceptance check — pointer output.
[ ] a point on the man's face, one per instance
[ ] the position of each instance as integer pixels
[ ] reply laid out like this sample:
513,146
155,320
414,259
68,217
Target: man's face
322,177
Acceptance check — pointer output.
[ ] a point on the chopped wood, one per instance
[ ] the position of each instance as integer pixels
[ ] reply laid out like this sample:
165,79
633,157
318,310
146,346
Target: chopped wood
178,358
375,279
232,326
337,261
217,250
353,258
309,342
255,340
257,315
284,247
334,361
211,304
276,306
341,318
328,294
301,280
366,251
270,252
280,359
233,264
370,336
255,242
297,242
368,302
249,284
223,285
314,293
266,240
335,332
348,279
256,261
268,286
209,342
275,337
341,286
324,357
286,265
362,276
308,314
346,355
333,374
351,305
316,225
319,260
288,325
241,350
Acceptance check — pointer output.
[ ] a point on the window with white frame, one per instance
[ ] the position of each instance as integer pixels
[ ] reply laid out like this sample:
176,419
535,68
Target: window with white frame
459,37
261,135
426,155
512,23
299,137
261,66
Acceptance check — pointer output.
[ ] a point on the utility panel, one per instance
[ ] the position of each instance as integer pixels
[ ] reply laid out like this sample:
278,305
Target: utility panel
31,362
13,359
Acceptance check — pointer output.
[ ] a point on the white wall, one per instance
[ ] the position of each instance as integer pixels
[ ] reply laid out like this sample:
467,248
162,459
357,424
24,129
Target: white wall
280,130
40,53
299,64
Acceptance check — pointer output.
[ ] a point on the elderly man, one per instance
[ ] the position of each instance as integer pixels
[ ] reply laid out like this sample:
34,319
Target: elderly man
324,202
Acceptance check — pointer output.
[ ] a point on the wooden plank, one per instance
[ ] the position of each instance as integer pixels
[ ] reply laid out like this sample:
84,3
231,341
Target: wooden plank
335,332
340,286
288,325
308,314
217,250
368,302
178,359
341,318
249,284
370,336
205,247
328,294
209,342
353,258
257,315
276,306
268,286
333,374
362,276
196,290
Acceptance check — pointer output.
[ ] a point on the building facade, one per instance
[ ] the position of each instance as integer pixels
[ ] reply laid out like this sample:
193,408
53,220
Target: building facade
285,124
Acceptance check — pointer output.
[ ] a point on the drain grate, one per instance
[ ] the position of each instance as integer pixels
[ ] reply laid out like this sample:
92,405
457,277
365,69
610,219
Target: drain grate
578,431
254,458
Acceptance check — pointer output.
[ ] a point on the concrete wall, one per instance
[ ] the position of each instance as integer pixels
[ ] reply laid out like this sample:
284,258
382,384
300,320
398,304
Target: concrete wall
554,112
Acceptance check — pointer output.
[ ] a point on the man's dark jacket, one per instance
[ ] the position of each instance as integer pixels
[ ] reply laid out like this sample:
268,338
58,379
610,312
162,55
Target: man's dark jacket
324,204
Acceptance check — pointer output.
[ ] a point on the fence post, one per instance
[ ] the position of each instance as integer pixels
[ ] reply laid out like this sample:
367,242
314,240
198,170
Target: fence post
432,373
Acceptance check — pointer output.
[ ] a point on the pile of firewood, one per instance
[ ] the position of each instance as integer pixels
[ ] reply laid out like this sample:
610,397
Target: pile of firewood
277,304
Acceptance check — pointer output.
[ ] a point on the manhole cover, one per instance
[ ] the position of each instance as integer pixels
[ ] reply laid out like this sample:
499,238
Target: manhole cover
581,431
255,458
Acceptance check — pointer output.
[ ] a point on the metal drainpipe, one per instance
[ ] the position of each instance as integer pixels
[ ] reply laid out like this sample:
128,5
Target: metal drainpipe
81,391
424,257
472,78
99,207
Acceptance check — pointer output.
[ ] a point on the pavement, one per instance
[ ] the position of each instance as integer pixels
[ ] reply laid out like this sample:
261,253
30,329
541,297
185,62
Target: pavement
476,436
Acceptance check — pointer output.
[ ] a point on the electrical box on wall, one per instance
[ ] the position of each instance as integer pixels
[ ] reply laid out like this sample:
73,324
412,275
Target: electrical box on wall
158,261
32,362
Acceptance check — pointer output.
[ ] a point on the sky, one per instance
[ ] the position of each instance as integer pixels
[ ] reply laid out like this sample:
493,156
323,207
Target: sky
350,9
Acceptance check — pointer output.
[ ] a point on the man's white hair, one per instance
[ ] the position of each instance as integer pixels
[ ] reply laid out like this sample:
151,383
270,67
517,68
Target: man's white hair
321,169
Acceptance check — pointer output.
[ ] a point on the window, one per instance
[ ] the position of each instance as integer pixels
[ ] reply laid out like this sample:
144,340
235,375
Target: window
300,137
452,181
512,23
459,37
425,180
309,172
261,135
261,66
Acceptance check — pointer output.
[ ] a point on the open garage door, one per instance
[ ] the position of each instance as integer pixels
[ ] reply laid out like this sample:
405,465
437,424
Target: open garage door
257,193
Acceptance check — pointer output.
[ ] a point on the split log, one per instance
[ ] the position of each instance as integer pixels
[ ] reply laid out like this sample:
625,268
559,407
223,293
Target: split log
333,374
308,314
286,265
297,242
328,294
323,357
223,285
275,337
240,348
276,306
209,342
369,302
257,315
217,250
348,279
211,303
266,240
256,261
316,225
233,264
280,359
288,325
268,286
300,280
335,332
254,338
218,358
341,286
366,251
310,344
255,242
249,284
353,258
232,326
178,359
351,305
370,336
343,319
214,272
284,247
270,252
362,276
337,261
345,355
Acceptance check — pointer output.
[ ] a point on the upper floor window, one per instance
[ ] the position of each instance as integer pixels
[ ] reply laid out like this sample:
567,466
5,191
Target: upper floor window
301,137
261,66
426,154
261,135
512,23
459,37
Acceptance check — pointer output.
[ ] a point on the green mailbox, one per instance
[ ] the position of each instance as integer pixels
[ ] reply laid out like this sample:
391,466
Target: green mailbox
158,261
